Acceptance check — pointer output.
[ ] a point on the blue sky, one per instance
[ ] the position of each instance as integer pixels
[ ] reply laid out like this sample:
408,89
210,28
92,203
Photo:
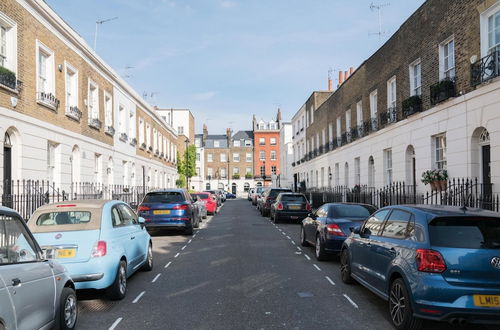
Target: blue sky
229,59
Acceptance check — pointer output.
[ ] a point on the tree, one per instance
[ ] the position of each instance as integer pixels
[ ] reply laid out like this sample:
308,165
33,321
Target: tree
190,156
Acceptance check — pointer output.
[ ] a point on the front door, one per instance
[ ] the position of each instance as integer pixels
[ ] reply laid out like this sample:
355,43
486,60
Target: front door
7,176
233,189
486,158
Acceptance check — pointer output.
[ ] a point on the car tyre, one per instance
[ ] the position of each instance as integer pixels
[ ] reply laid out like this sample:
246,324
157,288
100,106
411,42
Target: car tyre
118,289
400,309
68,310
345,267
303,241
319,250
148,265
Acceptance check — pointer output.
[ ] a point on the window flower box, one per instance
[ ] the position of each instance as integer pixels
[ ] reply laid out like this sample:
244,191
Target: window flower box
74,113
109,130
95,123
412,105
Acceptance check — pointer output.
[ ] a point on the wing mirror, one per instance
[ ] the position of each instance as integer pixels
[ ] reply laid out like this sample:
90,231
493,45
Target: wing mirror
142,221
355,230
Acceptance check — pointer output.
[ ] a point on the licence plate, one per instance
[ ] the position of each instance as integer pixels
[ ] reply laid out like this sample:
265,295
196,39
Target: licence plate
65,253
161,212
486,300
294,207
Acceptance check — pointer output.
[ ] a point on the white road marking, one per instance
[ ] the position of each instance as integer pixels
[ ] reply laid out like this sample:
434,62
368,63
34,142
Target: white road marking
293,242
316,266
138,297
307,257
168,264
299,248
330,280
284,234
351,301
113,326
298,252
156,277
194,235
190,241
176,255
182,248
288,237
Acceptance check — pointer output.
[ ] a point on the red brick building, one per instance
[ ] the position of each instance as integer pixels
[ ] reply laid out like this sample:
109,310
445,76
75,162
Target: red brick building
266,149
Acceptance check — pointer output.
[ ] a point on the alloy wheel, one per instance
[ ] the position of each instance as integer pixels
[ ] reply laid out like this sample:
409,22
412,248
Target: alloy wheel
318,246
122,280
397,304
70,311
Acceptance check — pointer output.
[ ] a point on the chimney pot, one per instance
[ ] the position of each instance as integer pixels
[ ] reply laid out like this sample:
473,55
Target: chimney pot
351,70
341,77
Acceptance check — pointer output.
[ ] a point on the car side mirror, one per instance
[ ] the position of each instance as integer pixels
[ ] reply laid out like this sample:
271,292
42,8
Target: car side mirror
355,230
142,221
195,199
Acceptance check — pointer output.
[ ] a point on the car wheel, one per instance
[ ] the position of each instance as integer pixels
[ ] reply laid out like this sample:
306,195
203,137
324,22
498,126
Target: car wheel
319,250
400,307
303,241
118,289
189,230
345,267
197,223
148,265
68,310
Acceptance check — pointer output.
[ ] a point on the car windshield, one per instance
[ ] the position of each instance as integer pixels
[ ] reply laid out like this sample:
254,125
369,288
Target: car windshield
276,192
200,196
63,218
465,232
164,197
259,190
293,198
351,211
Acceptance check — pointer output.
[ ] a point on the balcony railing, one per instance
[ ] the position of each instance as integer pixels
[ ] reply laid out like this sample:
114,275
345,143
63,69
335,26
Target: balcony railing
388,117
74,113
95,123
162,155
442,91
150,149
143,146
485,69
48,100
353,133
133,142
123,137
8,78
373,124
412,105
110,130
157,153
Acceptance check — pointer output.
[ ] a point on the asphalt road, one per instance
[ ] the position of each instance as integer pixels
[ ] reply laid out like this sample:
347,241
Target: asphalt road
239,271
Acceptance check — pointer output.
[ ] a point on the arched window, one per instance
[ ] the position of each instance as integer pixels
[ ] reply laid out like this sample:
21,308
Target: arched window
246,186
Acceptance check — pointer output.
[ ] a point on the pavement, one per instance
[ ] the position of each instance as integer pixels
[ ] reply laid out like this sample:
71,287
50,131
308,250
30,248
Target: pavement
238,271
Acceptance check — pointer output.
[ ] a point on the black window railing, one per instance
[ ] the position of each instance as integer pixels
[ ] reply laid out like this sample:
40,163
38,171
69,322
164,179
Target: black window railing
485,69
442,90
412,105
8,78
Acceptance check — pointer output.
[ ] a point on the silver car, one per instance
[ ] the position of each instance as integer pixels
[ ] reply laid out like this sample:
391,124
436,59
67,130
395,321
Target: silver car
34,293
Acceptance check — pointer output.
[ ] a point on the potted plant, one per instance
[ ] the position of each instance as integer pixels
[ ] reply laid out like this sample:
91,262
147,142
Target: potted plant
412,105
236,176
442,179
438,179
248,176
429,177
356,189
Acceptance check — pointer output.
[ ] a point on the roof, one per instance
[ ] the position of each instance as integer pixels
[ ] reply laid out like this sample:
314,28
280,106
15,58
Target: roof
243,135
84,203
216,137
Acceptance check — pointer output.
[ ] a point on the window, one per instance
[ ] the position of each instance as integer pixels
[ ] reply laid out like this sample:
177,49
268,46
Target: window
357,171
388,165
440,152
180,130
374,224
210,171
416,78
128,216
272,141
223,157
3,45
236,157
14,235
391,93
262,141
198,171
8,43
198,156
249,156
98,168
337,174
132,125
248,143
236,143
223,172
273,169
155,139
339,128
148,135
248,170
397,225
348,123
216,144
45,70
93,100
141,130
71,86
197,143
447,59
273,155
262,155
373,104
210,157
359,113
236,170
51,161
493,29
262,171
108,113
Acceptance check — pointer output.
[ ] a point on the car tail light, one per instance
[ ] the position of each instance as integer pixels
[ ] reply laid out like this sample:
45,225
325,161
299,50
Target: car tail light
280,206
143,208
430,261
308,207
183,207
334,230
99,250
66,205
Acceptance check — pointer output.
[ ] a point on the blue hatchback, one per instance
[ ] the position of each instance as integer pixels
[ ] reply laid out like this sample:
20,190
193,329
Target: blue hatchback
429,262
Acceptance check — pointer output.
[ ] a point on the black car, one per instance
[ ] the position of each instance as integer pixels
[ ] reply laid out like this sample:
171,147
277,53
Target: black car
268,198
329,226
290,206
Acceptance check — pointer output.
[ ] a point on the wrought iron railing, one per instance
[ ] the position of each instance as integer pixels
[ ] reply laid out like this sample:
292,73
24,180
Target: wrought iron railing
74,113
442,90
48,99
95,123
110,130
485,69
412,105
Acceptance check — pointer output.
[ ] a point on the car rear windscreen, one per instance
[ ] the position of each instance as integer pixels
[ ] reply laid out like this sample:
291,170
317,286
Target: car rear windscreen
63,218
293,199
276,192
164,197
200,196
465,232
352,211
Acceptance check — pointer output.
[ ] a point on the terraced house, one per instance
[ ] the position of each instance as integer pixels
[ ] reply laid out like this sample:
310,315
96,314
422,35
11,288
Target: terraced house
429,98
66,116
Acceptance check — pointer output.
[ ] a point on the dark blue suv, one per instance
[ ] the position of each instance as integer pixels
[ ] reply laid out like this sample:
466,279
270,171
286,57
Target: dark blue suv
429,262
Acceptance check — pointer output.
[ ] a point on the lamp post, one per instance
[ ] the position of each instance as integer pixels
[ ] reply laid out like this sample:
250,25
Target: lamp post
101,21
186,167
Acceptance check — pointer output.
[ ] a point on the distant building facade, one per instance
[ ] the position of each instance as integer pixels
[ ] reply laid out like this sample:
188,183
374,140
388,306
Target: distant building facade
285,177
266,149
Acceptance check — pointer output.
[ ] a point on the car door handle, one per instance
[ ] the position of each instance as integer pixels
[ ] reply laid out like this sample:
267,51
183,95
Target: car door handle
16,282
133,237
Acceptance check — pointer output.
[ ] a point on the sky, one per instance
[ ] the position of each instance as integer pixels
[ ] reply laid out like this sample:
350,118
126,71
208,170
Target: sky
229,59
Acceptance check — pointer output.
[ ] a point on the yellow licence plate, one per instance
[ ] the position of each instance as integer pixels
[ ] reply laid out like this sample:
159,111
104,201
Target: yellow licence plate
294,207
161,212
65,253
486,300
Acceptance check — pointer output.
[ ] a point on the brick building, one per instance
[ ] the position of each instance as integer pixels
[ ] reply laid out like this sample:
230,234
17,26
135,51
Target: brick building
267,149
427,99
66,116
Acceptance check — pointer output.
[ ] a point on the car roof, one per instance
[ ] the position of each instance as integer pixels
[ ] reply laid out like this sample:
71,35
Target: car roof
348,203
82,203
179,190
446,210
5,210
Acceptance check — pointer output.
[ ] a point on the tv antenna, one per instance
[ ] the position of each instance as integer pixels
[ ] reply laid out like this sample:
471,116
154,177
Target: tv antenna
126,73
378,8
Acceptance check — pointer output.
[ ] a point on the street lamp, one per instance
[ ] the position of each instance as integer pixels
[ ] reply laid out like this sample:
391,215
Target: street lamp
101,21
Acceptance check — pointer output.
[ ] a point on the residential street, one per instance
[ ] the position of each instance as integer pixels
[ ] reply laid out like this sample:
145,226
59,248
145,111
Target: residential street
238,271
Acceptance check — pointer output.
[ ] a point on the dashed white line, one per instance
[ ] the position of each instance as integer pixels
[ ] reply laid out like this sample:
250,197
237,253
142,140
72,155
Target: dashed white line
156,277
351,301
284,234
330,280
307,257
288,237
176,255
190,241
113,326
298,248
293,242
168,264
182,248
316,266
194,235
138,297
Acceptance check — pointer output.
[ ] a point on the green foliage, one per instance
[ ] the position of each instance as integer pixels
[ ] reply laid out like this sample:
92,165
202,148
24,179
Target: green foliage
236,176
248,176
7,72
434,175
181,165
190,154
181,182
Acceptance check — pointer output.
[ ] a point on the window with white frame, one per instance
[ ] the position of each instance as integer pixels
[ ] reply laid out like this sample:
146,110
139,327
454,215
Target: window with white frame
51,161
262,171
71,86
391,93
272,141
198,171
416,78
248,170
3,45
141,131
262,141
439,144
262,155
122,122
197,143
337,174
490,29
210,157
165,147
45,70
8,43
357,171
373,104
98,168
210,172
108,113
273,155
248,143
180,130
132,127
447,59
236,143
388,165
160,141
155,139
198,156
348,120
236,170
223,157
330,132
93,100
236,157
249,156
148,135
359,113
216,144
222,172
339,127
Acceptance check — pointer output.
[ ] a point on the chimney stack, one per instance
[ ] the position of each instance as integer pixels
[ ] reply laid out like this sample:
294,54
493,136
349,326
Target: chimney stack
205,132
351,71
341,77
330,87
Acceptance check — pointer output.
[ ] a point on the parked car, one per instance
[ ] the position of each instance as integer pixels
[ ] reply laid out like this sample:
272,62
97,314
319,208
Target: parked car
328,227
268,198
429,262
100,242
229,195
258,192
251,191
35,293
222,195
290,206
170,209
202,209
209,200
214,193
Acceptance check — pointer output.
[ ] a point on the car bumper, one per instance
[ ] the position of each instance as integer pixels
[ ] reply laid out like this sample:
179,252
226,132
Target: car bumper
292,215
96,273
333,244
168,225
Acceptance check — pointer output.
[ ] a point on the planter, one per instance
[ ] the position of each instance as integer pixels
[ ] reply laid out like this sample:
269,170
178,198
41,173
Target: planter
434,185
443,185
